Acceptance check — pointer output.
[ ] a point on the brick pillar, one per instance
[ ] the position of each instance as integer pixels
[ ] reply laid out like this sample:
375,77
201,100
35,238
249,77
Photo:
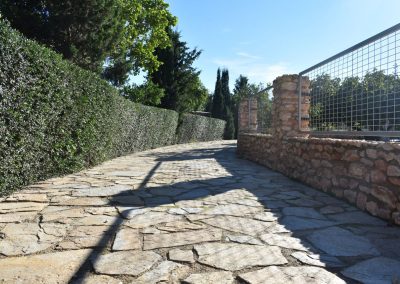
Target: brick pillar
247,115
285,109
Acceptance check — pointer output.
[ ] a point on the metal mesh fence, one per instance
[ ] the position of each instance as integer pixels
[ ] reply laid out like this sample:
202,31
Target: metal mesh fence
357,92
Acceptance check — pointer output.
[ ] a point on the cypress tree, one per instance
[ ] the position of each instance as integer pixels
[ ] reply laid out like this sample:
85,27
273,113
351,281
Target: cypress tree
225,90
217,109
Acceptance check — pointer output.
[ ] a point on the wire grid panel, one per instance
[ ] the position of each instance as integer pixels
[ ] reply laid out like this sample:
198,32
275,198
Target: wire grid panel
359,91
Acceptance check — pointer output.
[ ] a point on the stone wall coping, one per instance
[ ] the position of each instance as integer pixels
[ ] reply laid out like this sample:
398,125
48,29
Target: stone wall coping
351,142
335,141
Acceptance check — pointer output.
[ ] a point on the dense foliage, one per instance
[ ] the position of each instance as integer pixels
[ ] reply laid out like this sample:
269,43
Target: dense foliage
56,118
177,76
369,103
199,128
87,32
244,89
148,93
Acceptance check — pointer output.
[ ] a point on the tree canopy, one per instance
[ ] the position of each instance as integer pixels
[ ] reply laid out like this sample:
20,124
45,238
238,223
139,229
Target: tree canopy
122,33
178,77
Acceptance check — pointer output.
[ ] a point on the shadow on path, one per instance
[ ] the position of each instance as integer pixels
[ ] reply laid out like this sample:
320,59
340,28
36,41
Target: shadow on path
278,194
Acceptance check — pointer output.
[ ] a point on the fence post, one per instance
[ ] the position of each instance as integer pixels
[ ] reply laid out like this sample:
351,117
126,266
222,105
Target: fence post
247,116
285,108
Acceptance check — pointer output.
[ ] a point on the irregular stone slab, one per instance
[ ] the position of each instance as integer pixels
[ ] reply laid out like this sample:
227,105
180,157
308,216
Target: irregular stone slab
131,200
52,232
285,242
339,242
103,191
177,211
109,211
180,226
281,196
357,217
248,202
376,270
323,260
388,247
225,255
158,200
193,194
303,212
18,217
278,229
79,201
232,210
330,200
291,275
331,209
299,223
165,272
87,237
272,204
150,219
189,203
26,238
125,262
28,197
181,255
295,194
12,207
151,230
125,174
180,239
167,191
305,202
237,224
243,240
57,267
98,220
63,216
197,217
220,277
97,279
192,210
267,216
127,239
129,212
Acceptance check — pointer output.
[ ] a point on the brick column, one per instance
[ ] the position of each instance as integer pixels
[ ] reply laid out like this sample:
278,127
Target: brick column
285,109
247,115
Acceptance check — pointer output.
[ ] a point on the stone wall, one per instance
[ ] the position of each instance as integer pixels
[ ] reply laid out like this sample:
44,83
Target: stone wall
247,115
365,173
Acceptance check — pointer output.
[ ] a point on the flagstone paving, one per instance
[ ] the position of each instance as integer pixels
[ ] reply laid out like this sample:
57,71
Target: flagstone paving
192,213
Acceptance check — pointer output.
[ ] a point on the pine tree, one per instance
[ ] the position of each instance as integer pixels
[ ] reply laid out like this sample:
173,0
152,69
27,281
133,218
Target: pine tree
217,109
178,77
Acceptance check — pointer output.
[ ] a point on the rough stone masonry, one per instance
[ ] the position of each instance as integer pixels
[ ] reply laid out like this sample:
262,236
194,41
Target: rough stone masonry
365,173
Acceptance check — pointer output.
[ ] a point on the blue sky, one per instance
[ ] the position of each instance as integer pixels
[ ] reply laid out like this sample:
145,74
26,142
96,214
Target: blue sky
263,39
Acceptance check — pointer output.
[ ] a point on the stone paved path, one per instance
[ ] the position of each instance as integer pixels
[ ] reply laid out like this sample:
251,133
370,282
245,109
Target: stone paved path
194,214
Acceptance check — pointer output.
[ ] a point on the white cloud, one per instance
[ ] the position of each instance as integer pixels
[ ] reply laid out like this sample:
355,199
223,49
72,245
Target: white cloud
247,55
254,68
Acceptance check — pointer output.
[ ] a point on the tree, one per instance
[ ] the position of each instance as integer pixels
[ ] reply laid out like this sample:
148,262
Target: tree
148,93
217,110
177,76
225,89
87,32
241,90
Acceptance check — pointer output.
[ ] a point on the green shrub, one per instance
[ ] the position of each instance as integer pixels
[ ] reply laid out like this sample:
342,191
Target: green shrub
56,118
200,128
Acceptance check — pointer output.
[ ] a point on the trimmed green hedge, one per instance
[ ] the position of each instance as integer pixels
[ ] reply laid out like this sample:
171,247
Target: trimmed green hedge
200,128
56,118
